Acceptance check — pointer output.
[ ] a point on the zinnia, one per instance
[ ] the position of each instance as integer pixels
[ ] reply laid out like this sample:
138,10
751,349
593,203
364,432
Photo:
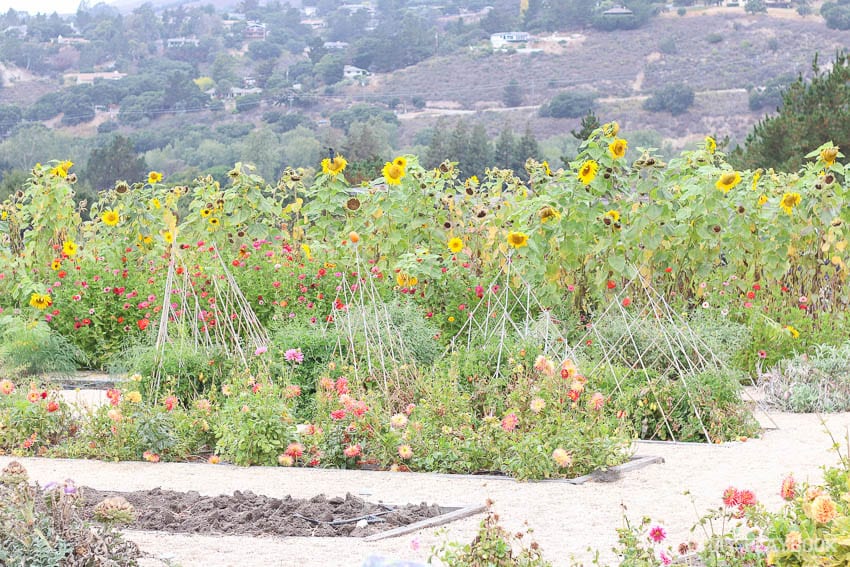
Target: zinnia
398,421
6,387
294,355
657,534
537,405
294,450
134,397
823,509
562,458
597,400
510,422
352,451
405,451
793,541
789,488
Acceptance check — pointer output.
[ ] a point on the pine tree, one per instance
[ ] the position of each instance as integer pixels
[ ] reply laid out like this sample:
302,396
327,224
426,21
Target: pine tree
505,148
527,147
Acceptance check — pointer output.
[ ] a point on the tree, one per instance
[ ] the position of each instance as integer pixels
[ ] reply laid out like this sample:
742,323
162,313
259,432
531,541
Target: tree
675,99
836,14
262,50
813,112
527,147
330,69
248,102
755,7
512,95
569,104
503,154
10,116
116,161
589,123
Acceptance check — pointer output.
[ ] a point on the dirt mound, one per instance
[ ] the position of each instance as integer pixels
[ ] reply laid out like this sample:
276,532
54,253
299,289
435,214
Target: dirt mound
246,513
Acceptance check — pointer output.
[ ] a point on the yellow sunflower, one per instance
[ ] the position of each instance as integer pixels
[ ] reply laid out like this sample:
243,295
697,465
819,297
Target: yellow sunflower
61,170
517,239
40,301
55,265
762,199
728,180
401,162
155,203
546,168
69,248
548,213
613,215
455,245
154,177
792,331
334,166
392,173
610,129
110,218
587,171
214,221
168,237
828,155
617,148
710,144
789,201
205,213
756,177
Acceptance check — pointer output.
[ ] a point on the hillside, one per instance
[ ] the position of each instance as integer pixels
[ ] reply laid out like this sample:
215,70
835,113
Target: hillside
720,55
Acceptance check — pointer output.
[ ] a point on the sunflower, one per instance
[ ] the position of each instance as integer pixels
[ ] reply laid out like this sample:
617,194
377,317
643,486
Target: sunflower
402,279
548,213
168,237
728,180
214,221
401,162
792,331
392,173
455,245
828,155
710,144
762,199
334,166
69,248
613,215
610,129
205,212
55,265
546,168
789,201
155,203
61,169
110,218
40,301
154,177
756,177
587,171
147,239
617,148
517,239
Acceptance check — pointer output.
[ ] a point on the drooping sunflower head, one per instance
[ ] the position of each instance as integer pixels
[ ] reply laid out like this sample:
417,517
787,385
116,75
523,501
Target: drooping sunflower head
110,217
40,301
728,180
610,129
393,173
155,203
789,201
548,213
618,147
69,248
587,171
154,177
334,166
517,239
613,215
61,169
455,245
546,169
710,144
828,155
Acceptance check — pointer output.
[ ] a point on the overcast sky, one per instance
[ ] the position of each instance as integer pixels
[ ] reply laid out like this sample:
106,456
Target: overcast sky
47,6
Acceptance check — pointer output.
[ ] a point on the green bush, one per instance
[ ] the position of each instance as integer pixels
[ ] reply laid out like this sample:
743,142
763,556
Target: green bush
570,104
30,348
818,382
675,99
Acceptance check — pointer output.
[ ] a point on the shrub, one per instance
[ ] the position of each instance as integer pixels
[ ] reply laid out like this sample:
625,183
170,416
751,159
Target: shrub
570,104
675,99
714,38
30,348
819,382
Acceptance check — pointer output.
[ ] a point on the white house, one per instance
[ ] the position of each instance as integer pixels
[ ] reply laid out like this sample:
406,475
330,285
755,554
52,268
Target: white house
352,72
503,39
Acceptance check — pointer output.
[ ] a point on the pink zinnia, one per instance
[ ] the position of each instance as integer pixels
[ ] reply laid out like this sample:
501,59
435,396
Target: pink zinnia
352,451
294,355
665,559
170,402
731,497
338,414
260,350
657,534
294,450
510,422
597,400
747,498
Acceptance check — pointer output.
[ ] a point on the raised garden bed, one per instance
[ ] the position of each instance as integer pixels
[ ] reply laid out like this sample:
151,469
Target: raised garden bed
246,513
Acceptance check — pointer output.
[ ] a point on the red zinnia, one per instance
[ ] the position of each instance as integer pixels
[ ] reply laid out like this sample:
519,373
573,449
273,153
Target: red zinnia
52,407
611,284
143,324
731,497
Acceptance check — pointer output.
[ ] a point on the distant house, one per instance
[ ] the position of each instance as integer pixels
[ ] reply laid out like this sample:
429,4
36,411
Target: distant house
19,31
314,23
249,82
502,39
90,78
617,12
352,72
336,45
777,4
182,41
69,40
255,31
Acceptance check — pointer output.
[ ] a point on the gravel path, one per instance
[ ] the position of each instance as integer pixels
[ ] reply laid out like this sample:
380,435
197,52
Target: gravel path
566,518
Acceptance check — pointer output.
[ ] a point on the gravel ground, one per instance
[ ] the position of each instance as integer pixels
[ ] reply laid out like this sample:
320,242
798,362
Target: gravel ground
567,519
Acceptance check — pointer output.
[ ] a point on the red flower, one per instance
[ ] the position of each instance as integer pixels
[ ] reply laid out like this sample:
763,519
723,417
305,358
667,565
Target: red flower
62,274
143,324
611,284
751,295
52,407
627,301
668,270
747,497
731,497
756,287
338,414
573,395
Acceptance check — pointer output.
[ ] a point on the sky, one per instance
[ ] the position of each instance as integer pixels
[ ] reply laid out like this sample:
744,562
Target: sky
47,6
